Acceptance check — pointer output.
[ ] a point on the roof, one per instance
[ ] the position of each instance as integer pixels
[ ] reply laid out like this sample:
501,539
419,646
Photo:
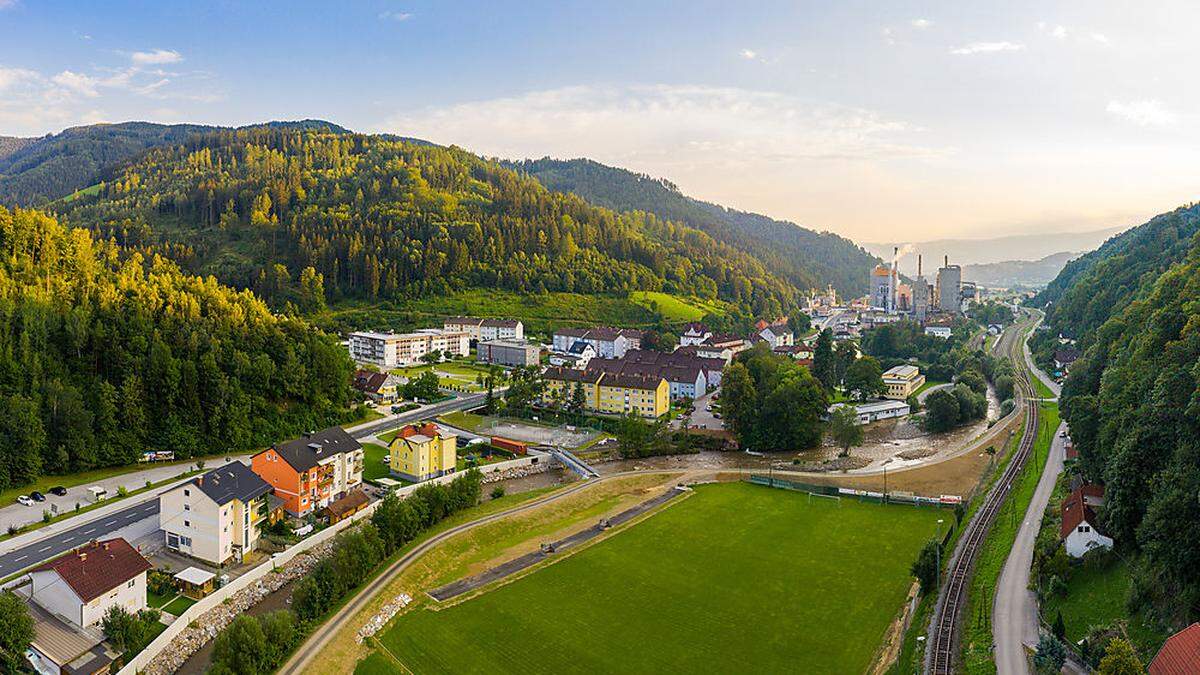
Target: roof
232,481
1180,654
352,502
96,568
195,576
57,639
903,372
368,381
579,347
872,407
500,323
1066,355
572,332
600,333
510,344
463,321
630,381
307,451
1078,508
696,328
428,430
571,374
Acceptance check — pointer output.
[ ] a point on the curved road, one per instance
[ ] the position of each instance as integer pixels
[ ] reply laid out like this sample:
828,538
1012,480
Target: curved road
321,637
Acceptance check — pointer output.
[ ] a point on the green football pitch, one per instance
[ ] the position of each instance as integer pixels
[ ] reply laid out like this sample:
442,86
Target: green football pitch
735,578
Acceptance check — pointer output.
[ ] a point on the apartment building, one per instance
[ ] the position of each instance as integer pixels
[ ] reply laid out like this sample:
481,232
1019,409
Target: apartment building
609,343
513,353
486,329
613,393
215,517
308,473
391,350
420,452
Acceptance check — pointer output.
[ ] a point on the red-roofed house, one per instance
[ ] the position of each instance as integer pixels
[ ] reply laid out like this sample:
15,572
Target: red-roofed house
81,585
1180,654
1078,530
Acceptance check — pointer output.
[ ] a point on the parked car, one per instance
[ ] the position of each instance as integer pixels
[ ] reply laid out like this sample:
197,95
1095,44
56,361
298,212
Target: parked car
25,501
60,491
37,496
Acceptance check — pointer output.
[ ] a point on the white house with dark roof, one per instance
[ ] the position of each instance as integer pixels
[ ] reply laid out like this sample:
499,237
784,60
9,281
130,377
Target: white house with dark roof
694,334
610,343
215,517
82,585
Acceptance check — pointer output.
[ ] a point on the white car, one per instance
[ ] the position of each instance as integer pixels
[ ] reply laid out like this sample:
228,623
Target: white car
25,501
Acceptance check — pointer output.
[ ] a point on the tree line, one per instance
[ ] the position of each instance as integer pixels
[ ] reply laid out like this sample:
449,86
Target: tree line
106,354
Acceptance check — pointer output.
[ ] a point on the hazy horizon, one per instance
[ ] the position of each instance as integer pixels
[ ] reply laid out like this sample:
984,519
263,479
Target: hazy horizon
931,120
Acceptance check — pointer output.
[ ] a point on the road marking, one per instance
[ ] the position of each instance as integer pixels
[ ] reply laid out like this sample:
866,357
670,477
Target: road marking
89,531
44,549
109,523
21,558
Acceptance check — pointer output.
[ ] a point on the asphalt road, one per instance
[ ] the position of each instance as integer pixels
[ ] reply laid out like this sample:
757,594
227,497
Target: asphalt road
98,528
47,548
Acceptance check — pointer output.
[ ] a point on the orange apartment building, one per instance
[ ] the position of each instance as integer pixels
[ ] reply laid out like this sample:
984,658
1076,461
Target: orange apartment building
310,472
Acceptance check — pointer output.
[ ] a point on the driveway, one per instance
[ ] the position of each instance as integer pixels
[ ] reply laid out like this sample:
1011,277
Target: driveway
703,418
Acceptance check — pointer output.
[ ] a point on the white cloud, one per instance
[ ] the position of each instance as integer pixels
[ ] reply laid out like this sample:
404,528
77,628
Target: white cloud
920,24
748,54
156,57
988,48
1059,32
1146,112
392,15
5,4
78,83
1101,38
12,77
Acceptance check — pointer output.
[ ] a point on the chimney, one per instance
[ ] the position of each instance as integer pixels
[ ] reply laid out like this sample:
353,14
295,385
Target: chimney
946,262
918,264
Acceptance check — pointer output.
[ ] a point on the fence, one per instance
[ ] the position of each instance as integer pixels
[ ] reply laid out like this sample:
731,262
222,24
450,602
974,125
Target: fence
143,659
948,501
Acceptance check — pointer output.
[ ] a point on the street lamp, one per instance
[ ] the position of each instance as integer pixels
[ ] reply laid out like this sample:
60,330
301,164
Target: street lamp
939,552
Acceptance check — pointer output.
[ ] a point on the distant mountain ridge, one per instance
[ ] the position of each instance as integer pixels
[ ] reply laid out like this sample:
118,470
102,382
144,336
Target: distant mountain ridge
1011,273
807,258
1026,247
34,171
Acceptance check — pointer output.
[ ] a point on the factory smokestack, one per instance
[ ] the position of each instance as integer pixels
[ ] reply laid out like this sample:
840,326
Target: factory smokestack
918,264
946,261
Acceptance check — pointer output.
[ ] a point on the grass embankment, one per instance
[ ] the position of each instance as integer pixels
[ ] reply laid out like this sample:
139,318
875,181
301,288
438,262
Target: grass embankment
1095,597
1041,388
456,375
977,616
479,548
929,384
369,416
774,567
674,307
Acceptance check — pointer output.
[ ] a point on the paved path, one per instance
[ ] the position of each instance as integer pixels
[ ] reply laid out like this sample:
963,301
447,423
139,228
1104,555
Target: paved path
937,387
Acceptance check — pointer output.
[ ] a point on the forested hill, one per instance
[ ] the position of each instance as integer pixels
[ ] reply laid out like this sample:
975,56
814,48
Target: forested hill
806,258
1133,406
34,171
305,216
105,354
1100,284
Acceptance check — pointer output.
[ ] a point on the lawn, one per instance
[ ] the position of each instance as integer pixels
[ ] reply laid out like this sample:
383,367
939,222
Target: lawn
734,578
179,605
373,465
463,420
1095,597
928,384
451,374
674,307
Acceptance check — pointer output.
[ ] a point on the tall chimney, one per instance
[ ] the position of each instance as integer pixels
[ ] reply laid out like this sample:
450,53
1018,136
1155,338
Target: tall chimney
918,264
946,262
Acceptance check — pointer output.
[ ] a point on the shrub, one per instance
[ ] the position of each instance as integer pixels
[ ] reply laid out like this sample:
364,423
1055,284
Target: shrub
498,492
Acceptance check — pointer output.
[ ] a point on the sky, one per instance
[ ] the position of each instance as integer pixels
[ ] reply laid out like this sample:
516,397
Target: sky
881,121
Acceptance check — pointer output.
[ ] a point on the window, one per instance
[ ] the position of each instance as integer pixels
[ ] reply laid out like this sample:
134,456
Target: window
187,492
187,507
131,583
187,523
185,541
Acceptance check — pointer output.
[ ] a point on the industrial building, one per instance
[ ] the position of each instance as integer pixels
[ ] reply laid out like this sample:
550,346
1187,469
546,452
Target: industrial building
512,353
949,287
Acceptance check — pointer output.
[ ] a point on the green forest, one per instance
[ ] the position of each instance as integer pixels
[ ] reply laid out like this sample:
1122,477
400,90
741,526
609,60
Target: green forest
106,353
806,258
308,217
1132,401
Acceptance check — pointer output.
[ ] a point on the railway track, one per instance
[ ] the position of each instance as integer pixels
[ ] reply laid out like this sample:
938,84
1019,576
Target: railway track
946,624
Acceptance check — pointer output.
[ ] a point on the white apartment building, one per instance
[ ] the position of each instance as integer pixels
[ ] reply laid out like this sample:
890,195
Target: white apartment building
81,585
486,329
215,517
390,350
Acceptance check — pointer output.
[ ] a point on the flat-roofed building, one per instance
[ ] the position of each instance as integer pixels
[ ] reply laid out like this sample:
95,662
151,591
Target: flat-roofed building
902,381
390,350
513,353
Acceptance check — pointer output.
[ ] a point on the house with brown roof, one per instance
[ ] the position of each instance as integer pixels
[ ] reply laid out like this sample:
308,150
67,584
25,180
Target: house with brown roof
82,585
687,374
1078,530
1180,654
376,386
63,648
341,509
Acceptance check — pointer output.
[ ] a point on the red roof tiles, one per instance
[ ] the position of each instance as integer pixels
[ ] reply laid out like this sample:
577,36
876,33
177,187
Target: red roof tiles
1180,654
96,568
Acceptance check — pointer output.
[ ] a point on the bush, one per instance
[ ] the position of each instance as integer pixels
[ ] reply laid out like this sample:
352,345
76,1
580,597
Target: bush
253,645
122,491
129,633
925,568
498,492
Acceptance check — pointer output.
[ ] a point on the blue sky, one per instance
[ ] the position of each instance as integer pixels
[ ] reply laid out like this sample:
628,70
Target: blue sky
880,121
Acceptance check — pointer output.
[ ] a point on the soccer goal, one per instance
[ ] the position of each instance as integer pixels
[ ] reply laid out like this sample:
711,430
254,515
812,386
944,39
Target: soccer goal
836,498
